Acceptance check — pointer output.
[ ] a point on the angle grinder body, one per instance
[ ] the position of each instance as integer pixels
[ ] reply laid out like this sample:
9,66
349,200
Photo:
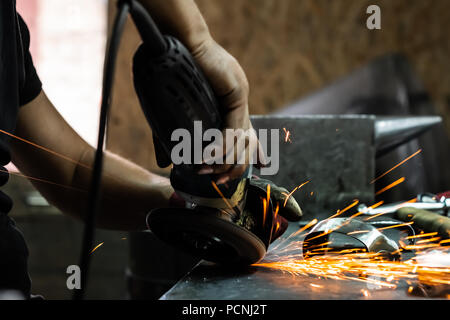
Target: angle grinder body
217,226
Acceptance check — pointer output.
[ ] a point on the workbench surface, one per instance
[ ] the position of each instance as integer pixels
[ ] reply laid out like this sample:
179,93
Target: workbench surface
208,281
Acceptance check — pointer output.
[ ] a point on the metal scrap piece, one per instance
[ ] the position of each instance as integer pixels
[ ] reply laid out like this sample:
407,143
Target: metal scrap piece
372,239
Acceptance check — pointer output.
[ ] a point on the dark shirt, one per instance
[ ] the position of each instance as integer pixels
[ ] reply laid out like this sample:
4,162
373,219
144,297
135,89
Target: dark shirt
19,84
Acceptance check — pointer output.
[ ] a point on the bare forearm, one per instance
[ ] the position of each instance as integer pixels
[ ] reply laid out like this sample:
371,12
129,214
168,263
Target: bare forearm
128,191
61,171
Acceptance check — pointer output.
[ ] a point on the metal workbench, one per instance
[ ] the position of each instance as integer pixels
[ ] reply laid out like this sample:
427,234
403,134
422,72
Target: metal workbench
208,281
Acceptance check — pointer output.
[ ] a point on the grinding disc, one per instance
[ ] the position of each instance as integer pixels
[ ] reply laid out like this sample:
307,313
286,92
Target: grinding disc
206,235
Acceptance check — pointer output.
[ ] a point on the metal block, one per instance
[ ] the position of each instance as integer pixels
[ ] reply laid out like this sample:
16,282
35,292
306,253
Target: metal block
335,153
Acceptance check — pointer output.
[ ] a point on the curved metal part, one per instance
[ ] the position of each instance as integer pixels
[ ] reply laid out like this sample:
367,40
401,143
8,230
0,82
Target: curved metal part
372,239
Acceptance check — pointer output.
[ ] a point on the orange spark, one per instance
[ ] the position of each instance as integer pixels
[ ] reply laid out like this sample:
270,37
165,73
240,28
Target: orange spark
382,213
307,226
339,212
42,180
264,211
399,164
366,267
396,226
422,235
357,232
221,194
96,247
45,149
292,192
287,135
393,184
434,239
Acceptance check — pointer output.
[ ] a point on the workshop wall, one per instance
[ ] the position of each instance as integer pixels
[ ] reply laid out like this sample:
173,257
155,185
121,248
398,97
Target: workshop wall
291,48
288,49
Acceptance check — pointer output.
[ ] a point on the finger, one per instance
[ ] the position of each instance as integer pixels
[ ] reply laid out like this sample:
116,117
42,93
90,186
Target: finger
235,172
238,150
289,208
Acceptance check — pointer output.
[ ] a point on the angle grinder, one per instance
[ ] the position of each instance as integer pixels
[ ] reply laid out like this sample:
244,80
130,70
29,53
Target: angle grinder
219,223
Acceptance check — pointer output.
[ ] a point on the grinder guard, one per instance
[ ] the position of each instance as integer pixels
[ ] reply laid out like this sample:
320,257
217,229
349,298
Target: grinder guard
207,233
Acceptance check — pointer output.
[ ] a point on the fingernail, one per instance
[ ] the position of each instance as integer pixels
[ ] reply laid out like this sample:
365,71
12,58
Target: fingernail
205,171
223,180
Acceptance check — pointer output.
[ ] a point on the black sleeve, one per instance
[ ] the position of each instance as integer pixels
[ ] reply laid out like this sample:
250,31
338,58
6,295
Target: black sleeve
32,85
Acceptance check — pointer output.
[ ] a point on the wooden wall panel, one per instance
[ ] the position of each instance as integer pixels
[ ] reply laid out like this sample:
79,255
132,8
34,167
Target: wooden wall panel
289,48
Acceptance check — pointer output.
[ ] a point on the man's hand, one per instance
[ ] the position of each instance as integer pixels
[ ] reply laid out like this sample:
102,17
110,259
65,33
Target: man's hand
182,19
231,87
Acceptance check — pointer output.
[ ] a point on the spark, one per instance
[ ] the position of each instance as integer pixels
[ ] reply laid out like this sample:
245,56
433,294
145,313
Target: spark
339,212
396,226
275,214
434,239
287,135
264,211
294,234
385,212
357,232
96,247
422,235
45,149
397,165
307,226
292,192
42,180
393,184
221,195
366,267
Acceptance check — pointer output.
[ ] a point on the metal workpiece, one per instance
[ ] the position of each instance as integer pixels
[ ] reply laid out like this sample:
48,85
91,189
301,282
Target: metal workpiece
371,239
336,154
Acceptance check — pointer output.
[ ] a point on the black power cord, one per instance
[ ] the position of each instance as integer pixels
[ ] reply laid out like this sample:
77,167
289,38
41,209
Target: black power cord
94,195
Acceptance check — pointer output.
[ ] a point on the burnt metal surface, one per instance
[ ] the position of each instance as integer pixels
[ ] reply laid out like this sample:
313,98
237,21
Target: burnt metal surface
208,281
335,153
